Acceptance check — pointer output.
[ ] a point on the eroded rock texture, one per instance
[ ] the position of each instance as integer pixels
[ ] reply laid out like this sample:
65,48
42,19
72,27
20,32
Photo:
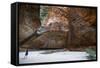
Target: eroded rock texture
65,27
28,21
83,27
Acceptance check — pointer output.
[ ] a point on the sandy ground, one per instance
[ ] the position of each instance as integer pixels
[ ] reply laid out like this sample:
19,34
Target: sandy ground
49,56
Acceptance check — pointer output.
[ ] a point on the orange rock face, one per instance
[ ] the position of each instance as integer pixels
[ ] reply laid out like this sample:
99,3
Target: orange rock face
57,19
78,23
66,27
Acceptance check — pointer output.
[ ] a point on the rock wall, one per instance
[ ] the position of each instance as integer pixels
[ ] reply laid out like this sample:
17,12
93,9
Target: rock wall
29,20
65,27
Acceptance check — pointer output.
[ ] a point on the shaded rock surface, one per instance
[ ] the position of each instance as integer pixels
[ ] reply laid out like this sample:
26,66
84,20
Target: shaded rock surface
65,27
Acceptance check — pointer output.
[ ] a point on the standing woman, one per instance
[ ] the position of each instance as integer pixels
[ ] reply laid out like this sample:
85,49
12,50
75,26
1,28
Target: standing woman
26,53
